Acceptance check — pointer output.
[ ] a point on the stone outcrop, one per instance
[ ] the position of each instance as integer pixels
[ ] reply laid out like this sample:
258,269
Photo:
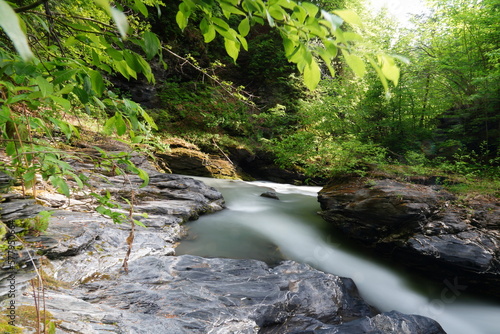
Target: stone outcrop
421,226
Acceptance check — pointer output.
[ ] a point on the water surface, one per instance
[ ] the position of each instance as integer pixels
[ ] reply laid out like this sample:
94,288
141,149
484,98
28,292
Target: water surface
272,230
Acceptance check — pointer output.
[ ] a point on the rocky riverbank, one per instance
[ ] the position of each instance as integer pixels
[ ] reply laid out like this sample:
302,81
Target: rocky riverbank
87,290
421,226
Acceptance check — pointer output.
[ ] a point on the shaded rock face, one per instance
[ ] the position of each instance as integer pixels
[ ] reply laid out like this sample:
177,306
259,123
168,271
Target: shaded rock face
421,227
238,163
193,162
385,323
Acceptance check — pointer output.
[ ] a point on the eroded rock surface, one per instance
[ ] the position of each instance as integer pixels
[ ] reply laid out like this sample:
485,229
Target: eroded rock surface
190,294
421,226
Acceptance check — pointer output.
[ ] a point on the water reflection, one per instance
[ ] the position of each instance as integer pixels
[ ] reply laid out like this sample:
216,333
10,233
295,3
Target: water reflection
271,230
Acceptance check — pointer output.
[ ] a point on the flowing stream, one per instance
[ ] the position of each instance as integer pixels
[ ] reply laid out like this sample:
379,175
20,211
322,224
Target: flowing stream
272,230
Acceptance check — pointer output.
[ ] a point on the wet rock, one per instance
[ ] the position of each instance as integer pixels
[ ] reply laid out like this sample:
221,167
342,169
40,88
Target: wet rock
189,294
421,227
270,194
5,182
385,323
14,208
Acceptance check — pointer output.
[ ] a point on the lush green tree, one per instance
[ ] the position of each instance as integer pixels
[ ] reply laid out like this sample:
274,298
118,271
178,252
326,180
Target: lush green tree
459,45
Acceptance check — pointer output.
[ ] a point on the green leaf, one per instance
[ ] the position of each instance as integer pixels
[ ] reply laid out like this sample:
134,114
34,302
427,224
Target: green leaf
221,23
310,8
327,58
115,54
314,27
46,88
132,62
60,184
124,69
349,16
138,5
65,75
232,48
277,12
63,126
146,69
137,222
152,44
82,95
138,139
64,103
229,9
352,36
10,149
99,103
331,47
120,125
390,69
144,177
243,42
97,82
207,30
244,27
10,23
300,14
77,179
182,17
148,119
4,114
355,62
68,88
381,75
29,176
312,75
52,328
109,125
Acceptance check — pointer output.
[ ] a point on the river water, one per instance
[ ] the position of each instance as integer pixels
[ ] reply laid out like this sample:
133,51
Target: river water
272,230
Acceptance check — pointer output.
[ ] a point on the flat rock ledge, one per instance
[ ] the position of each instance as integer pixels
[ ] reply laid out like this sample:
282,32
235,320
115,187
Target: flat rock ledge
423,227
88,291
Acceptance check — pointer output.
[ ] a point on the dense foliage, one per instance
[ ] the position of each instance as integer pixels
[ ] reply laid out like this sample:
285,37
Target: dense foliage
272,75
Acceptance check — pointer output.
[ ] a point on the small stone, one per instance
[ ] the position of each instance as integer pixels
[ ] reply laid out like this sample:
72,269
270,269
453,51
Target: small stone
270,194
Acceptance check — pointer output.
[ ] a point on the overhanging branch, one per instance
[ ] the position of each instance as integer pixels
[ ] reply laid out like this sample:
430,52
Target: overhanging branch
30,6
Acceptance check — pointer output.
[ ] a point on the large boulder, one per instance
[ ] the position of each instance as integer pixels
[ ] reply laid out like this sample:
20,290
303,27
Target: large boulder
421,226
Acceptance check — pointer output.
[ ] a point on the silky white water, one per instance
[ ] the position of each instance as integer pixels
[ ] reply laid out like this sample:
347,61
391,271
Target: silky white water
271,230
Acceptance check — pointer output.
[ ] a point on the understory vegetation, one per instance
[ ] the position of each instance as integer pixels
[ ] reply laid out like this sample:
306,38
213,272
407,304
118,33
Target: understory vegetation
323,91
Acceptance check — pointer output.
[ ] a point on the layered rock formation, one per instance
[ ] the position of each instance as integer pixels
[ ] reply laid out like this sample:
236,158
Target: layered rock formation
421,226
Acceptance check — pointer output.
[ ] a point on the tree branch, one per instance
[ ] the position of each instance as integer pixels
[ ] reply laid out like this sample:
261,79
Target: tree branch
30,6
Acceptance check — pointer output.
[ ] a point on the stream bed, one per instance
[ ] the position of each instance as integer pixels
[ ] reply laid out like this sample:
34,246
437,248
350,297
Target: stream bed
289,228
